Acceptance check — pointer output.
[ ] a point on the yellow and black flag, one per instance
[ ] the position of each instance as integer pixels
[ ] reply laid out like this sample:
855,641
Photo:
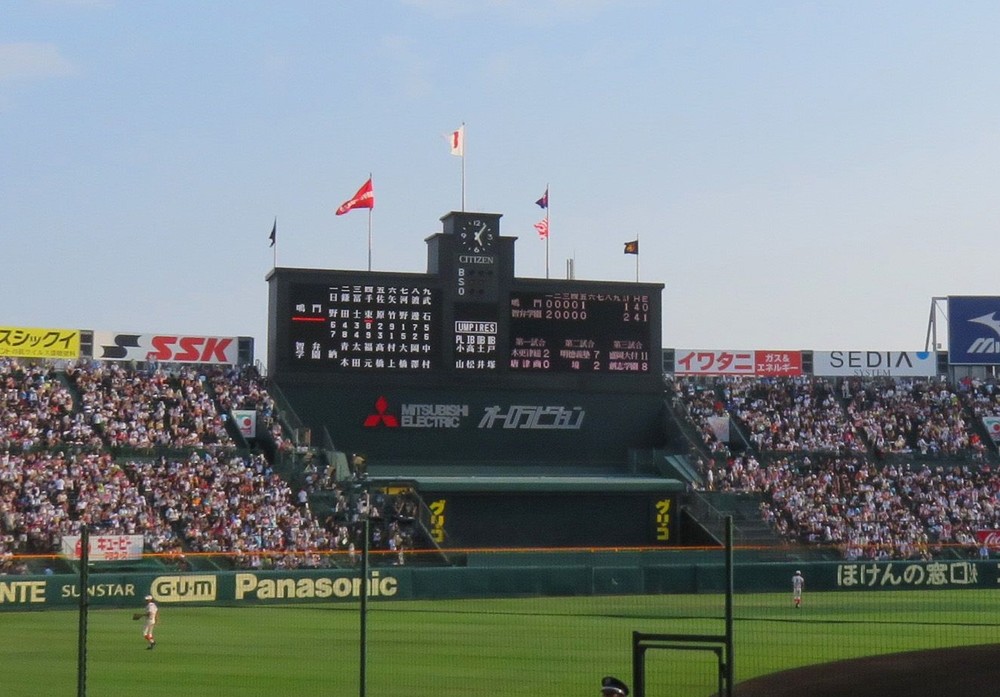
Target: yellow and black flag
632,247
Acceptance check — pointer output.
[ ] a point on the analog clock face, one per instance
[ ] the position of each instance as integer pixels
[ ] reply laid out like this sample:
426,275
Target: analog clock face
476,235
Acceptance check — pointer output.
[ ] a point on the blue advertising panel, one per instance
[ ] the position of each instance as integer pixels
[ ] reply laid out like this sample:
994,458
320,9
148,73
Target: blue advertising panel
974,330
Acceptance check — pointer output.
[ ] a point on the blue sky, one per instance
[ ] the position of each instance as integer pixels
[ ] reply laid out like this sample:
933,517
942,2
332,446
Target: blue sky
801,175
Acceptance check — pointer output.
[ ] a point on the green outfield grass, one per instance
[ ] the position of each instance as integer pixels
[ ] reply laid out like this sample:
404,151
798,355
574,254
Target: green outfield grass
495,648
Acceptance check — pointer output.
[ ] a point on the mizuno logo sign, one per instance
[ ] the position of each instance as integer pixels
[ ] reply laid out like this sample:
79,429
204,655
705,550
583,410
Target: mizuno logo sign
985,344
990,321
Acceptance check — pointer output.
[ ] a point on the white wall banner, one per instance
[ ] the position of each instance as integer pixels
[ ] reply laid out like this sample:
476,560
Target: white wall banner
166,348
104,547
720,427
992,424
246,421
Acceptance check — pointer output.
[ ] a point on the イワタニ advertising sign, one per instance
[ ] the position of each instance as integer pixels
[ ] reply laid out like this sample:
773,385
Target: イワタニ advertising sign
713,362
104,547
777,363
974,330
166,348
721,362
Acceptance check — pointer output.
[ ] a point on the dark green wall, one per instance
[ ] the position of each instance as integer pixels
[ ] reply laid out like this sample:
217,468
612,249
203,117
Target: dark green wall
633,574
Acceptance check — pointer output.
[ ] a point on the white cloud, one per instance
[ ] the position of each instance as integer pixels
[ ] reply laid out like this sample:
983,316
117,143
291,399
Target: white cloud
33,61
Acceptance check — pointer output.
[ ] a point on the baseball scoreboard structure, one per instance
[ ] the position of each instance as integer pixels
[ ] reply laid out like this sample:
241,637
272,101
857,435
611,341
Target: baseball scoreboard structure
467,365
468,315
468,362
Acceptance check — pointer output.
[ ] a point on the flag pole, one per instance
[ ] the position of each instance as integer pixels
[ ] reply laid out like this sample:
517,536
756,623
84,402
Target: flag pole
463,166
274,243
548,230
637,248
370,228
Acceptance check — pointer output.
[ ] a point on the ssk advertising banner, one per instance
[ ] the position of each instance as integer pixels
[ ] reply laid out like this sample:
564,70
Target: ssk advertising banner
166,348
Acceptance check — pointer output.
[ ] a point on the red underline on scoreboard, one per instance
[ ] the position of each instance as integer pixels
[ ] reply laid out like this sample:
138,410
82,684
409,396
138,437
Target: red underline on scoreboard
307,319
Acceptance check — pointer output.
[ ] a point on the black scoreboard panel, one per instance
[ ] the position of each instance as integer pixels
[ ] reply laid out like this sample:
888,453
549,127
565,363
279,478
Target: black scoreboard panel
578,330
431,329
467,361
360,323
357,322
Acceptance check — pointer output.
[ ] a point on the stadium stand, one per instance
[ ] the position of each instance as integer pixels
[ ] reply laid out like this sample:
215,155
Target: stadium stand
878,468
147,451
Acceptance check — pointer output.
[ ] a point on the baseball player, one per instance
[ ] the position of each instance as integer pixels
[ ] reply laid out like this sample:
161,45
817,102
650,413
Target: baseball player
150,615
797,584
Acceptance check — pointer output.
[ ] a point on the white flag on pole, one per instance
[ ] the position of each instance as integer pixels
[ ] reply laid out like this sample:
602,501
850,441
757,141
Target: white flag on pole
457,141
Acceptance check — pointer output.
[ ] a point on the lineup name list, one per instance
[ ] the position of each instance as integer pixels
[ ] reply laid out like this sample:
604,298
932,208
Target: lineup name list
580,332
366,327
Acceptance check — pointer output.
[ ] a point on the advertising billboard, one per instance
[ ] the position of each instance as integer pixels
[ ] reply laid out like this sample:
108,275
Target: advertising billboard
974,330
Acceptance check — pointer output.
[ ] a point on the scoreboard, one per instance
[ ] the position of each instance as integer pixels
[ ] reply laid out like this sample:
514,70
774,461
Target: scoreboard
579,331
374,324
468,315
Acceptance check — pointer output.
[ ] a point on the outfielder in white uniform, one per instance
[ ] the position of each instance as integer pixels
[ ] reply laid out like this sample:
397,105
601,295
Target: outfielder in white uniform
147,630
798,582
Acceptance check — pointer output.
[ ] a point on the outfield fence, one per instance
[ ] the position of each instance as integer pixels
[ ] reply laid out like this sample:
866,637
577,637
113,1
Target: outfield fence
554,619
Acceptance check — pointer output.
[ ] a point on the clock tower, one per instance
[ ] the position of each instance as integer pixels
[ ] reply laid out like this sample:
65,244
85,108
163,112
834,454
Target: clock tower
475,249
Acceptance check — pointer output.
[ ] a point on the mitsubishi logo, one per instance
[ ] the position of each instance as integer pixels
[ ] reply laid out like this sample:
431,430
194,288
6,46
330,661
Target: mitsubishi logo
380,417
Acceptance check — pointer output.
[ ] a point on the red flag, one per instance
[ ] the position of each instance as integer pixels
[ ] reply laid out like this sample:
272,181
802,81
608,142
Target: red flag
543,228
365,198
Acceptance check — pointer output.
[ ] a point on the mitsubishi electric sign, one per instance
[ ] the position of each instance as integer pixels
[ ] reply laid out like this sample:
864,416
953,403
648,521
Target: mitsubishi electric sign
974,330
532,417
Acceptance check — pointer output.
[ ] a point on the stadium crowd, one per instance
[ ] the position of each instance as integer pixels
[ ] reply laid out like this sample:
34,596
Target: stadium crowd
880,468
77,446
